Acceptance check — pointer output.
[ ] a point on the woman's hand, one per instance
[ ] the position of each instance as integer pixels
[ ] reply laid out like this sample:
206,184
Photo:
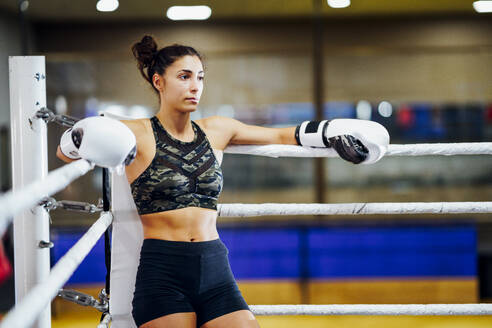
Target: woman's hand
61,156
356,141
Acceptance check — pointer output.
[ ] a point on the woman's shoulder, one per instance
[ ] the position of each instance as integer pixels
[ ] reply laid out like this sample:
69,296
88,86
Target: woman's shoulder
142,129
138,126
219,130
216,122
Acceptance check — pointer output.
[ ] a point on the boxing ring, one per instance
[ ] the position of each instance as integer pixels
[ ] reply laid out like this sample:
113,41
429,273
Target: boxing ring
37,285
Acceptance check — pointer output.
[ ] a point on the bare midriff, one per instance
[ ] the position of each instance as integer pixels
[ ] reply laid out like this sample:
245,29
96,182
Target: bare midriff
185,224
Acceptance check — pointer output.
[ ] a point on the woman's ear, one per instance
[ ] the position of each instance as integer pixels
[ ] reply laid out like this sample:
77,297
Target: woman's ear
158,81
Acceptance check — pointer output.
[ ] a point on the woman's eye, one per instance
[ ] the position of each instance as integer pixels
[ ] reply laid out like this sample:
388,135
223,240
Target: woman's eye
201,78
183,77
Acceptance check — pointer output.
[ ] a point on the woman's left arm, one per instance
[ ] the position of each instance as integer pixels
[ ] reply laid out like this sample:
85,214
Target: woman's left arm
354,140
236,132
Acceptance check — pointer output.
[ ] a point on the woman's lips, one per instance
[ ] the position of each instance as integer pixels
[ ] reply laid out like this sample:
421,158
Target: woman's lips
193,100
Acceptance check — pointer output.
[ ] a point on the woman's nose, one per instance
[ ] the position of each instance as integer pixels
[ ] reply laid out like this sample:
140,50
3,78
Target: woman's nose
194,86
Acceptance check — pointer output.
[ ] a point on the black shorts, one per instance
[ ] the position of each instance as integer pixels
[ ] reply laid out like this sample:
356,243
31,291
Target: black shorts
178,276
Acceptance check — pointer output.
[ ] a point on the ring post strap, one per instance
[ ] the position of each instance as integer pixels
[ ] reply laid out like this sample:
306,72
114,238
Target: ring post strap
107,238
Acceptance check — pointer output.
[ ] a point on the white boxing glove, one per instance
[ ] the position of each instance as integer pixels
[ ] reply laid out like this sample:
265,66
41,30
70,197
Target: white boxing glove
357,141
68,145
104,141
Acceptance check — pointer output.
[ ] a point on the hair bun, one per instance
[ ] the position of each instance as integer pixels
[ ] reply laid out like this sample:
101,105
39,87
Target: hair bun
152,61
145,51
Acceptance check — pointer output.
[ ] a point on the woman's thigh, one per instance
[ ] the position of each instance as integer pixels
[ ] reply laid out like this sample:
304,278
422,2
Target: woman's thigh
237,319
175,320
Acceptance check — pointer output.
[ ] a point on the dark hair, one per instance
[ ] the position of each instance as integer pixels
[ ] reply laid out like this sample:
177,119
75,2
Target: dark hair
150,60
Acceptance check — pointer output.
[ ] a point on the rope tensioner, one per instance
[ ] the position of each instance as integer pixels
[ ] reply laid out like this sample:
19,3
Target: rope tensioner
48,116
101,304
49,203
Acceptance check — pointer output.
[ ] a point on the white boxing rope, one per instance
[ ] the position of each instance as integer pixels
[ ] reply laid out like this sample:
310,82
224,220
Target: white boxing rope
13,202
447,149
25,312
464,148
374,309
241,210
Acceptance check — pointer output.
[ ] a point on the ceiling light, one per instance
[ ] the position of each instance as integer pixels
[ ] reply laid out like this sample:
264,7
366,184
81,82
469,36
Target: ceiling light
385,109
483,6
61,105
107,5
24,5
189,12
363,110
338,3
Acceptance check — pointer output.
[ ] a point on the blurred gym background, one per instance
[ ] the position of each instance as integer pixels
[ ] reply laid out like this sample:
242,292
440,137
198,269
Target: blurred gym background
421,68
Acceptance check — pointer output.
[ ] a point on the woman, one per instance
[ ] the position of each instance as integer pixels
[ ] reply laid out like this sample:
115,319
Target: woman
189,229
184,278
181,248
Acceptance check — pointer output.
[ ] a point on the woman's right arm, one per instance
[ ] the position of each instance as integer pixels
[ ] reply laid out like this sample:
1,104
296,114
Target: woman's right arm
141,161
133,125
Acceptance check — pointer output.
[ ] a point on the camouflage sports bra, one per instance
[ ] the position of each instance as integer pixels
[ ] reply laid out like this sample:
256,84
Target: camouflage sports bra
182,174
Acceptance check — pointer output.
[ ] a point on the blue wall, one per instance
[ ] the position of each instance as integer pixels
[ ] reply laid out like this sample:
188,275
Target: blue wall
325,252
92,269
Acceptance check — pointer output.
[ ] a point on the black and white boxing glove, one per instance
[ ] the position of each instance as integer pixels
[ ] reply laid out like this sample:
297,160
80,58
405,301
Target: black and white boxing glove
356,141
104,141
70,143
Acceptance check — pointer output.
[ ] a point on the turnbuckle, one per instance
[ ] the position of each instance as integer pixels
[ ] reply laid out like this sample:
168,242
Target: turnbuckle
49,203
102,305
48,116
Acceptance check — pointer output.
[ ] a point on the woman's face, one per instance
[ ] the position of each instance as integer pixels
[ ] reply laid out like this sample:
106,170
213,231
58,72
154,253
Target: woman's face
182,86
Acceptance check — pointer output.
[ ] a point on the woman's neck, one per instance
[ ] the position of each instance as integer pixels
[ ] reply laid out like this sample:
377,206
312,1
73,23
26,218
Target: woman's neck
176,123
